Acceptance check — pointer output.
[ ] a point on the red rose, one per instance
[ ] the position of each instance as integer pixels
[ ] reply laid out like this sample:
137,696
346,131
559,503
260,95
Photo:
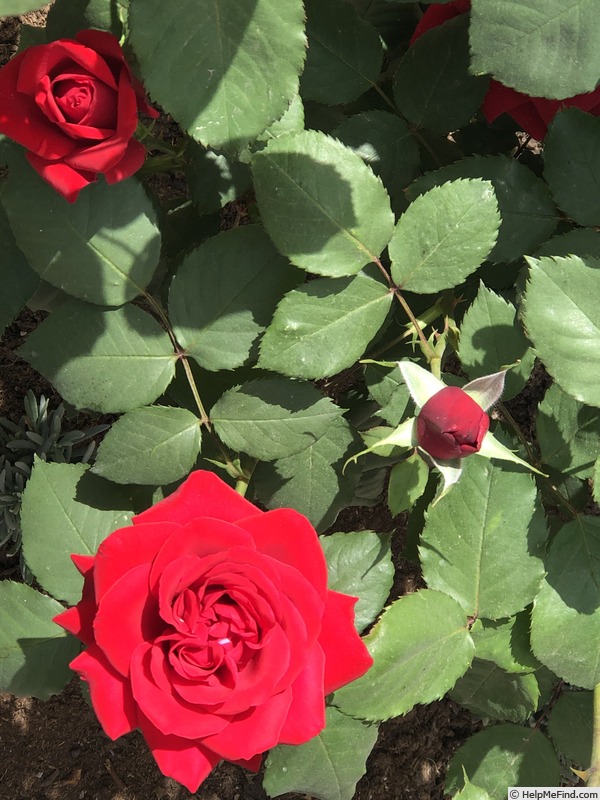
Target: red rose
451,424
73,104
209,626
532,114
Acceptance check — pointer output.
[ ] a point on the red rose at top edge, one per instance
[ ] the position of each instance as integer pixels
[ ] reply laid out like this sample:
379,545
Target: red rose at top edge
208,625
451,425
74,104
532,114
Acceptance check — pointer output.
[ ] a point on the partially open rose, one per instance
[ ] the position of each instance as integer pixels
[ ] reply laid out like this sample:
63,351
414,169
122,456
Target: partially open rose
451,425
74,105
209,625
532,114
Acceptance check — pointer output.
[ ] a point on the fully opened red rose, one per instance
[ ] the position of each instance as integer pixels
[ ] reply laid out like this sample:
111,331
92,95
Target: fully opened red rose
209,625
451,424
532,114
74,105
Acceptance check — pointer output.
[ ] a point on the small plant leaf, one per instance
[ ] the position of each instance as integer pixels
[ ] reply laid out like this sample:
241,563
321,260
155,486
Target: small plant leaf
324,326
488,690
34,651
564,290
420,647
408,480
273,418
341,211
567,609
444,235
360,564
327,767
571,726
153,445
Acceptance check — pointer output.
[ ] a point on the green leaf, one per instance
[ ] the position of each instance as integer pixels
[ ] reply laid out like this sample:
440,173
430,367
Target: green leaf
563,291
12,8
67,510
596,480
224,295
108,360
568,433
488,690
565,625
224,74
153,445
444,235
528,214
432,85
67,17
327,767
292,120
104,248
471,792
385,143
491,338
34,651
324,326
408,480
214,178
571,728
314,481
344,53
341,211
360,564
386,386
19,282
420,647
530,46
502,756
571,164
580,242
483,543
505,642
273,418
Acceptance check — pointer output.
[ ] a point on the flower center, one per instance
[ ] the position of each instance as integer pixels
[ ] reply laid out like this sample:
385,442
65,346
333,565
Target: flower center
74,98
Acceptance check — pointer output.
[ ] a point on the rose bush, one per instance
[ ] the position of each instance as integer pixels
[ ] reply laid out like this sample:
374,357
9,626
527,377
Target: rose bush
74,105
532,114
208,624
451,424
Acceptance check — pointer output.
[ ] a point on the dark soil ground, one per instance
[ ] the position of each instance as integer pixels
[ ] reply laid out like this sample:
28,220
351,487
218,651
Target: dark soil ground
56,750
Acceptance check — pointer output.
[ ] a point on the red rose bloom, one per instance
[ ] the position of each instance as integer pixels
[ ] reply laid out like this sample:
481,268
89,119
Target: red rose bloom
74,105
532,114
209,626
451,424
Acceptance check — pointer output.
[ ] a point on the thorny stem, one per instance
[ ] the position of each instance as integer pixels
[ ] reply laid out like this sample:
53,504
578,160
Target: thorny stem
428,350
593,778
181,355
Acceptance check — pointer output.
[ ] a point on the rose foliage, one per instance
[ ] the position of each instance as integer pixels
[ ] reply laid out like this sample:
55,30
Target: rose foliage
333,275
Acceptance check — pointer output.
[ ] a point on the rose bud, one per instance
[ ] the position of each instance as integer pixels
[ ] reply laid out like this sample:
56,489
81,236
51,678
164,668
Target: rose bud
451,425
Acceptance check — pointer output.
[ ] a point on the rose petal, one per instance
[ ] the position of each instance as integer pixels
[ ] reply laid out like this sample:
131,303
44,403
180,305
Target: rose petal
127,616
127,548
132,160
58,56
202,494
167,712
288,536
181,759
306,717
64,179
436,14
201,537
79,619
252,764
111,695
22,120
346,657
253,732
